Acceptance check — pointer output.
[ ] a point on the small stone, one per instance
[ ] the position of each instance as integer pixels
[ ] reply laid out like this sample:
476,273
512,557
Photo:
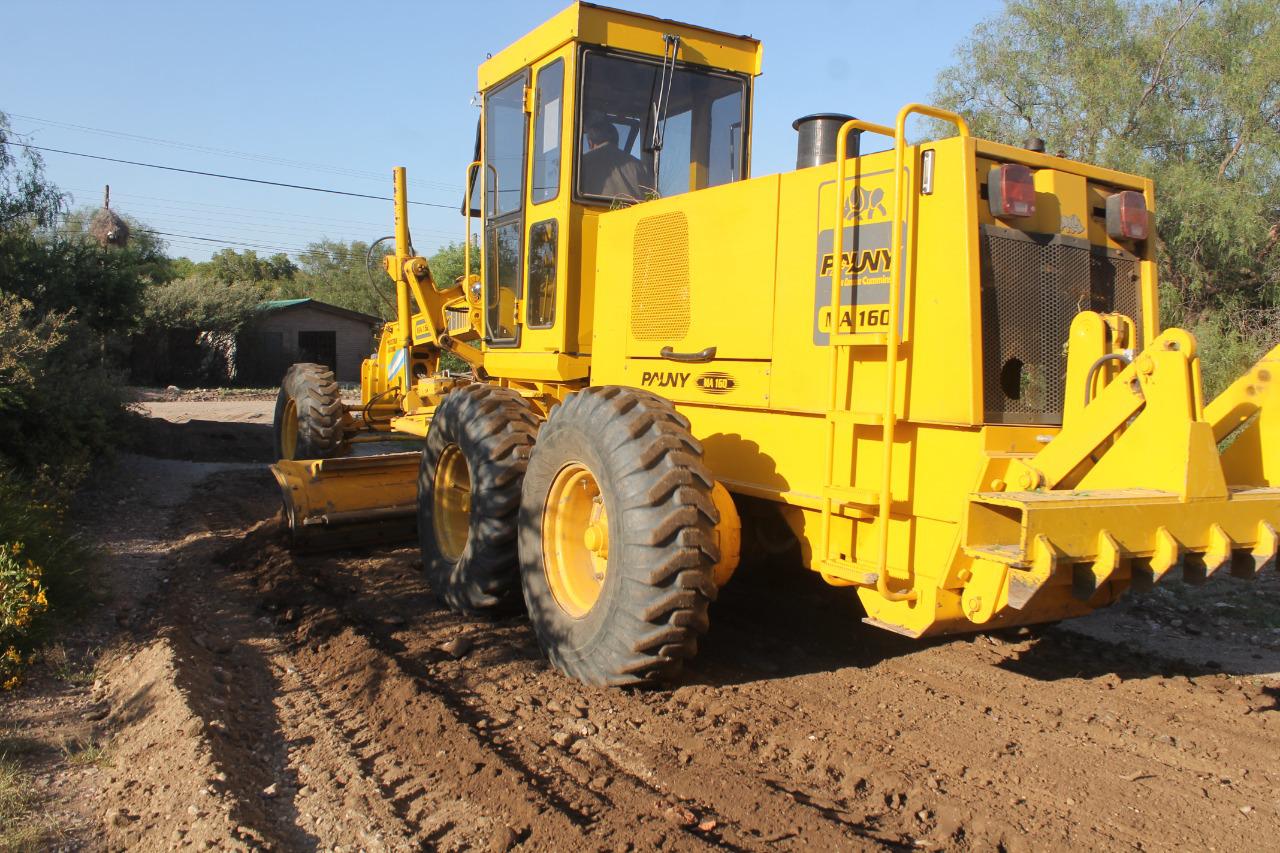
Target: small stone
504,838
271,790
117,817
1246,809
707,825
678,815
563,739
458,647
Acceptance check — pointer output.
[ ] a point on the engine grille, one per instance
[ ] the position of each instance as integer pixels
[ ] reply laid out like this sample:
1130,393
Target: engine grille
660,278
1033,285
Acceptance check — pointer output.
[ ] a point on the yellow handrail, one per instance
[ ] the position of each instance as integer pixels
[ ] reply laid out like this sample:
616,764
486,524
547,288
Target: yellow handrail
466,251
837,285
892,337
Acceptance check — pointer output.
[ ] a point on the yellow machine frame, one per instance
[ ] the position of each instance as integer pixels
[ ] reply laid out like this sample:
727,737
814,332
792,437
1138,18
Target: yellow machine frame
858,411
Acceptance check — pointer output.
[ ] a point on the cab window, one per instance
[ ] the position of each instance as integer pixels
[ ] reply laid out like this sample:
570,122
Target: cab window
619,129
546,132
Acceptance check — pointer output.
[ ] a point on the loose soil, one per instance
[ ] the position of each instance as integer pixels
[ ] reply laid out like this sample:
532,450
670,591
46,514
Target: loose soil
250,698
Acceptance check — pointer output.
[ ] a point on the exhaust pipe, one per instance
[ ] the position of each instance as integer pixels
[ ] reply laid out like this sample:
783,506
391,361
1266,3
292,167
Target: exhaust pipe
817,142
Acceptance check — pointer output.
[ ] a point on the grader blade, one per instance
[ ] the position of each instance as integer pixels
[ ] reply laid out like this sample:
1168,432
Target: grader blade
354,500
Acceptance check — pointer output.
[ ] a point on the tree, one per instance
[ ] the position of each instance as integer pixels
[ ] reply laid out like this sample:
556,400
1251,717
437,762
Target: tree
27,200
228,265
58,299
447,263
335,272
1184,91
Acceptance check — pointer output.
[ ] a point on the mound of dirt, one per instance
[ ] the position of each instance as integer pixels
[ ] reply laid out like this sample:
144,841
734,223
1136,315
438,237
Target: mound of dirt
167,789
200,440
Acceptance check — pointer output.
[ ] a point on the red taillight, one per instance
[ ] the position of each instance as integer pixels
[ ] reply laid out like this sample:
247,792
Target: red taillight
1011,191
1127,216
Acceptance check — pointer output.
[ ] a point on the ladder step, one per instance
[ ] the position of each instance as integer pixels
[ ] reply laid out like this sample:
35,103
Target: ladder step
856,418
863,574
852,496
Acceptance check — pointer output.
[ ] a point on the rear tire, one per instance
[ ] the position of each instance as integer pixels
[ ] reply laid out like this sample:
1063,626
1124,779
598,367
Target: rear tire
617,470
469,482
310,420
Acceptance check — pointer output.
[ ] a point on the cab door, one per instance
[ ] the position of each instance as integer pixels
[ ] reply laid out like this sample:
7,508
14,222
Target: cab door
505,143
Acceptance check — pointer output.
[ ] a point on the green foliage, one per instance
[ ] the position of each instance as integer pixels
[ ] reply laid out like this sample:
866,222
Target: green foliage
345,274
229,266
1187,93
27,200
102,287
199,302
447,263
335,272
40,567
23,600
60,408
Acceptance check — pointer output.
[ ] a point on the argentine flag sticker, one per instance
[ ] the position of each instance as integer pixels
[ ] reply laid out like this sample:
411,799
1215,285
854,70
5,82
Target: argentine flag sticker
399,362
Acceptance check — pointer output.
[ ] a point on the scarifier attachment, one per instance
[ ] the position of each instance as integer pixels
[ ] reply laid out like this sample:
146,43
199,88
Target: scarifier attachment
1134,490
354,500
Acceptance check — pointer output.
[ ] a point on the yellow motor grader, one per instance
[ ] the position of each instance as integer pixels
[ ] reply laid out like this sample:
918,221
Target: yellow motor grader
939,363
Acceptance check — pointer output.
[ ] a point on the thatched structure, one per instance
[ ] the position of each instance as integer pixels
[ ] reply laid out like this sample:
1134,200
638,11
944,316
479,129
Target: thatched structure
106,226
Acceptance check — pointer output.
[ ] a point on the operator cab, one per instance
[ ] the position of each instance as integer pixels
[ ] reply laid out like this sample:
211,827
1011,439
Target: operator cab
644,108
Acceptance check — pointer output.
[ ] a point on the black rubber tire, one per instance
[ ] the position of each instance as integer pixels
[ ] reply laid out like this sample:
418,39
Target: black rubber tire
661,522
322,418
495,429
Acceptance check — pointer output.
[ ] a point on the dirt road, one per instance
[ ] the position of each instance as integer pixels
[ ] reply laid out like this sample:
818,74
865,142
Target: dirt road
258,699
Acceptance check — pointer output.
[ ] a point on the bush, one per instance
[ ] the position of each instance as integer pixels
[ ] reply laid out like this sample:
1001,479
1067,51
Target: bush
60,409
1230,341
201,303
39,564
22,601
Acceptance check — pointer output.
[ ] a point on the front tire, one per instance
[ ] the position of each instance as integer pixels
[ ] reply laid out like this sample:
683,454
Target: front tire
617,538
310,420
469,496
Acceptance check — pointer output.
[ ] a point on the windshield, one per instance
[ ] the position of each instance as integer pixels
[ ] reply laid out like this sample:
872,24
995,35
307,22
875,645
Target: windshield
702,136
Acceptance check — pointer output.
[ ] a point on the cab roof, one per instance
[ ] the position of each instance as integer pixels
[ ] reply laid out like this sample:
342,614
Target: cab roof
592,24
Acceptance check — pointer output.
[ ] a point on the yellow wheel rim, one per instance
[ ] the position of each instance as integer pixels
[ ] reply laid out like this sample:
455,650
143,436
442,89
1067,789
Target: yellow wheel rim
289,430
451,503
575,540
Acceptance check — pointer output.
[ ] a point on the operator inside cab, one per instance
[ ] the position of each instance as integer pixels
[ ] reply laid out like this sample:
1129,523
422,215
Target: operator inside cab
606,170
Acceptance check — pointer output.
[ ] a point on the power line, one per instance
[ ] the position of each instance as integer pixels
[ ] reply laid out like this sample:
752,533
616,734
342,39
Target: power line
192,203
200,217
196,240
227,152
225,177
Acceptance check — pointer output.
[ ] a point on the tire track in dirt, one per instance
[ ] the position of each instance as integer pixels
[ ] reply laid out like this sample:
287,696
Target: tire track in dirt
388,723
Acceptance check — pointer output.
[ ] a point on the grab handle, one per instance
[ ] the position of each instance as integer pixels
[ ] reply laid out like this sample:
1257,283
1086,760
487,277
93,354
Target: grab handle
707,354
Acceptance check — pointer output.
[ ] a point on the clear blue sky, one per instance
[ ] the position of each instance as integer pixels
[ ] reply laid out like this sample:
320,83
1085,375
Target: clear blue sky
351,89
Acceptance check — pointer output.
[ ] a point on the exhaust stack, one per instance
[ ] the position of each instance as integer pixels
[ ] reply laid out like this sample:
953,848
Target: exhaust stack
817,142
